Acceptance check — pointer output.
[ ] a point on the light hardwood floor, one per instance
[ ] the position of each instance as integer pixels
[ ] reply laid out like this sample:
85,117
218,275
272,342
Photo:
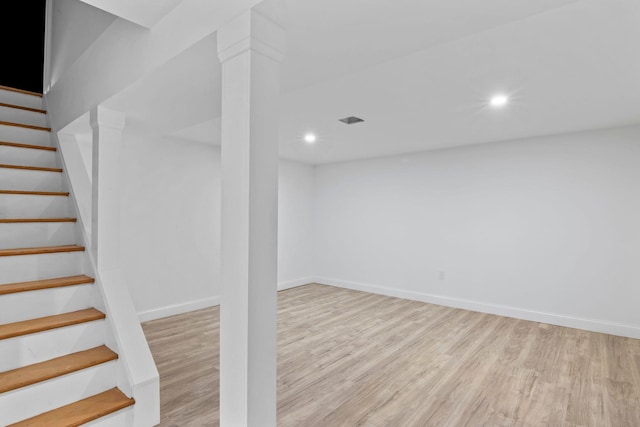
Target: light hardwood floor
348,358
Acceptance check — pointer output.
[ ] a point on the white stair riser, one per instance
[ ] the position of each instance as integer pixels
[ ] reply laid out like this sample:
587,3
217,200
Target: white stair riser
46,302
122,418
26,117
25,268
15,98
35,348
30,206
24,135
27,157
22,235
35,399
21,179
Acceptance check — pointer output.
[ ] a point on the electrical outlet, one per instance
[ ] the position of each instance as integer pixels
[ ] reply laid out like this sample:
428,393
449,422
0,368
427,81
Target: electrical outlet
441,275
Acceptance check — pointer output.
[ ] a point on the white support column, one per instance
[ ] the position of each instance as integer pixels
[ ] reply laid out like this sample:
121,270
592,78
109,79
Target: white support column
250,49
107,128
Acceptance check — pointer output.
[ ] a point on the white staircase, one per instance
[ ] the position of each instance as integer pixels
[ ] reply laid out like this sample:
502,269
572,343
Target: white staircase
55,369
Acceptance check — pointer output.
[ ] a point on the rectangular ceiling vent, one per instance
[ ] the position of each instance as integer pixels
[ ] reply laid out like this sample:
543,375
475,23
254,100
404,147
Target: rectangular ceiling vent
351,120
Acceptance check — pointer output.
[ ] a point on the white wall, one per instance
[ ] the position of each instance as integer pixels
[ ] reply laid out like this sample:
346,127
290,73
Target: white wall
170,216
526,228
142,12
74,27
295,224
170,224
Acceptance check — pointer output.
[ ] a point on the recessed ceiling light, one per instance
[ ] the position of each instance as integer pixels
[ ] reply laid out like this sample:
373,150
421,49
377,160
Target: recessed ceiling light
310,138
499,101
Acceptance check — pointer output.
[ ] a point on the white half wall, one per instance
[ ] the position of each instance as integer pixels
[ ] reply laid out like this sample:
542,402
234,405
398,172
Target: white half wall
75,165
543,229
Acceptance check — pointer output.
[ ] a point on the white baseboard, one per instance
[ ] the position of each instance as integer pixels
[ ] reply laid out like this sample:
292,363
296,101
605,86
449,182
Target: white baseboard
172,310
613,328
294,283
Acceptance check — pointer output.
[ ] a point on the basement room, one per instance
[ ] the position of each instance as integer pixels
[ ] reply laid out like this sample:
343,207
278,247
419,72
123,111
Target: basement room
320,213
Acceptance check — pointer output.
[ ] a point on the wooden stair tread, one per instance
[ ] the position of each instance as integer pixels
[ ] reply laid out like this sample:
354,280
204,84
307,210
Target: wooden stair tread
22,125
36,193
41,250
30,168
58,282
81,412
11,330
30,146
25,92
38,372
19,107
25,220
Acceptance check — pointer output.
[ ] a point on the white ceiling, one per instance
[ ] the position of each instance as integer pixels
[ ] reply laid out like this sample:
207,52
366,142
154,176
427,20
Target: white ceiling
329,38
420,73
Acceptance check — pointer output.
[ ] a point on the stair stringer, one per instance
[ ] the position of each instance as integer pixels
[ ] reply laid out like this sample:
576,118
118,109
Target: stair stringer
137,373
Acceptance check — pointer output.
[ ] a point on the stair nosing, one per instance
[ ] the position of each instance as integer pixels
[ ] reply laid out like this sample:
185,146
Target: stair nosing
92,314
20,107
80,419
35,220
35,193
22,125
31,168
27,146
101,354
22,91
39,250
36,285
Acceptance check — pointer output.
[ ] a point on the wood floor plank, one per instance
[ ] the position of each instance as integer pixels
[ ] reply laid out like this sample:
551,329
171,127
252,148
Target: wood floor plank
38,372
80,412
348,358
623,404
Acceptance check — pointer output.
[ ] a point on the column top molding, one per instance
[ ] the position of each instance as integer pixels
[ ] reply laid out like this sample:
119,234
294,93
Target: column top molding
251,30
103,117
